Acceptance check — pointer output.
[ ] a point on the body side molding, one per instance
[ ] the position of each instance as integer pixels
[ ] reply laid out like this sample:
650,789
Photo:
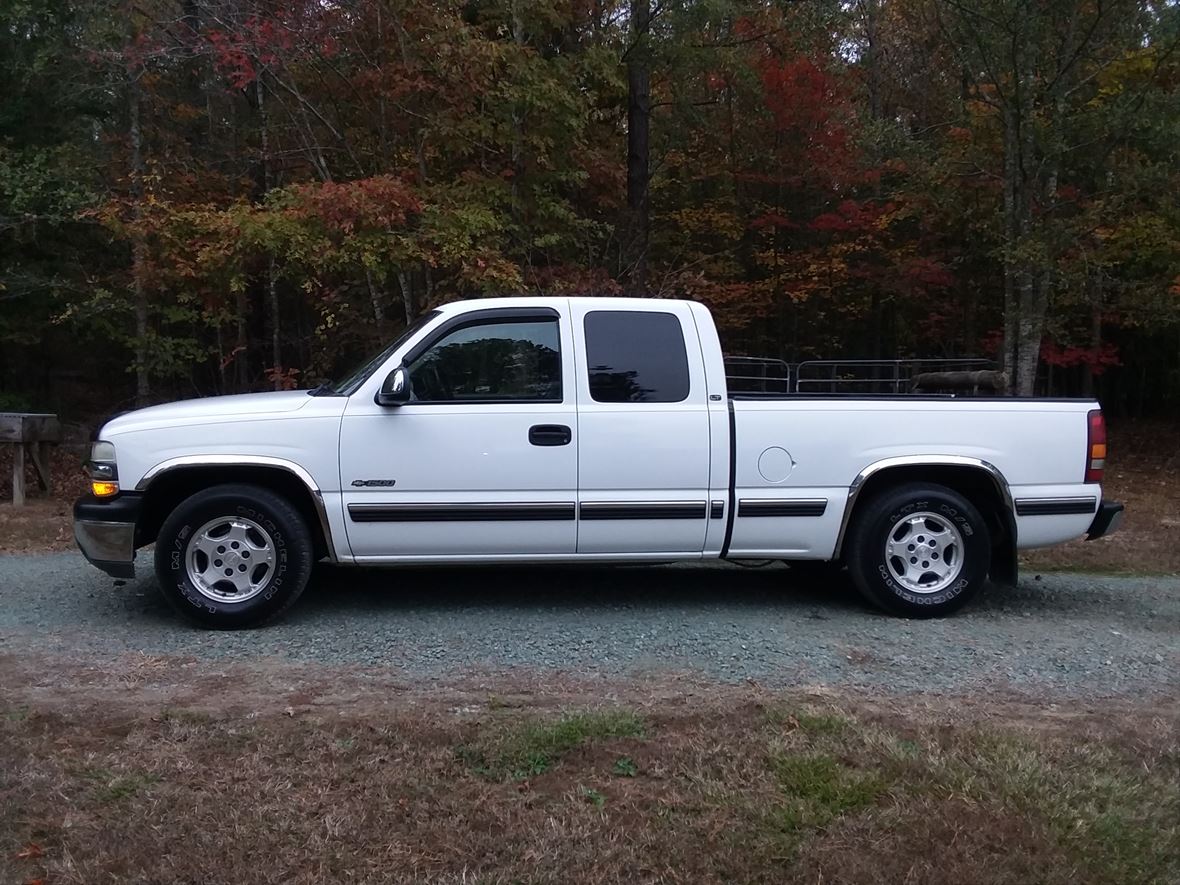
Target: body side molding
748,507
595,510
1055,506
468,512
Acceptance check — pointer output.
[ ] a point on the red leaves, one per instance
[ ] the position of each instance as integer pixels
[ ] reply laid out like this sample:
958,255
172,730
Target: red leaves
256,41
230,57
1097,358
382,202
851,215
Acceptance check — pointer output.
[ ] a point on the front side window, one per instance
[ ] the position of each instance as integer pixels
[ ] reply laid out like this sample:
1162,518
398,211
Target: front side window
518,361
636,357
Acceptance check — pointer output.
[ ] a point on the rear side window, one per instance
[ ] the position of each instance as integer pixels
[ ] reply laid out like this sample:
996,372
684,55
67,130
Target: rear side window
636,357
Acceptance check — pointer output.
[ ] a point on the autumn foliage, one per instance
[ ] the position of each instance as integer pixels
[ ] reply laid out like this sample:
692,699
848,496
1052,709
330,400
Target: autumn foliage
202,196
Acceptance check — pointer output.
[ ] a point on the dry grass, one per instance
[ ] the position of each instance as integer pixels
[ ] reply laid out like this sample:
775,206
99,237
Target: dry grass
169,782
1145,463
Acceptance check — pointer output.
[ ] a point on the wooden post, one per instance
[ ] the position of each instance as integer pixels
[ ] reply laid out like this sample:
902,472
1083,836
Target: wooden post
39,455
18,475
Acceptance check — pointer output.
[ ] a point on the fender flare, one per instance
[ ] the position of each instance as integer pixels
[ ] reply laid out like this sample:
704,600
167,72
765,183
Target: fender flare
993,472
299,472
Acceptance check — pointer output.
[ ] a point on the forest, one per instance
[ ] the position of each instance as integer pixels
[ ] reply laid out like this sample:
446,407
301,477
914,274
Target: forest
215,196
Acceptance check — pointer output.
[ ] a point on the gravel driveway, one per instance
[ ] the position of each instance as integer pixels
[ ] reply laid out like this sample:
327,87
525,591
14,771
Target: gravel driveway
1063,634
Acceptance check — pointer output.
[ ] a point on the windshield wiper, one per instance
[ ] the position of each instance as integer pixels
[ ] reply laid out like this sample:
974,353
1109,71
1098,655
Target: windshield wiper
325,389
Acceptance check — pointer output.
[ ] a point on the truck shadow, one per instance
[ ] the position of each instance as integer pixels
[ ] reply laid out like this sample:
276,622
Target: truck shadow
334,588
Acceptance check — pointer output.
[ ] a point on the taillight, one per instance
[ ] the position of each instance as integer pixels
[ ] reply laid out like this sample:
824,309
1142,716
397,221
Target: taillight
1095,446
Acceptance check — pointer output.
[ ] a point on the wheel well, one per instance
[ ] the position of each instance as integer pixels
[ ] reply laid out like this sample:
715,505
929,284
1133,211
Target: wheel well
170,488
973,483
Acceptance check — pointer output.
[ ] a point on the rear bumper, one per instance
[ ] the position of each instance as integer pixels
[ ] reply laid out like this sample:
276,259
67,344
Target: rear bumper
105,532
1106,520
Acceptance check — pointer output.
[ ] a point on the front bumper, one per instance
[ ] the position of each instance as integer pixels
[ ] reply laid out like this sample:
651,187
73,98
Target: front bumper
105,532
1106,520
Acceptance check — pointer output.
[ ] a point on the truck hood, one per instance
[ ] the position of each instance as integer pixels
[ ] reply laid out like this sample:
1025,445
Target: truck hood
208,410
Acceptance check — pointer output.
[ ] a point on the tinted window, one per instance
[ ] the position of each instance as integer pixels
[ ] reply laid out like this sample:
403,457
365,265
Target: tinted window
520,360
636,357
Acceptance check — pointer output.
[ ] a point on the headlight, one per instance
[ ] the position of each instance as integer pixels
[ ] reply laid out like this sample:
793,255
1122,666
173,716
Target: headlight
104,474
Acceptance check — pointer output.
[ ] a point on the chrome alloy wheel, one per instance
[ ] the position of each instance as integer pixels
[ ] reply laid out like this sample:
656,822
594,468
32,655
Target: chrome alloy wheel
924,552
230,559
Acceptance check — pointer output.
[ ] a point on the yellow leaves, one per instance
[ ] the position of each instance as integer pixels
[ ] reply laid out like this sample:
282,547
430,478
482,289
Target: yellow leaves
1126,74
709,220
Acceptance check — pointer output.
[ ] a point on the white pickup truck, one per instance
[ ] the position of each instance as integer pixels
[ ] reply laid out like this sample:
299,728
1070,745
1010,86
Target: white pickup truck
583,430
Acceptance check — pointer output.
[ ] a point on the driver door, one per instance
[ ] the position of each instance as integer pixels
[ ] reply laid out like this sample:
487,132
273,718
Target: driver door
482,460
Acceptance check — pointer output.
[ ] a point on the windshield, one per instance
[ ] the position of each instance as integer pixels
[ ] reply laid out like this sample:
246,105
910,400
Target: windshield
352,383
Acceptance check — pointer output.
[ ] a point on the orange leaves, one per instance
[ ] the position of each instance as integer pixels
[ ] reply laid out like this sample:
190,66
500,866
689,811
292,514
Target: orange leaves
381,202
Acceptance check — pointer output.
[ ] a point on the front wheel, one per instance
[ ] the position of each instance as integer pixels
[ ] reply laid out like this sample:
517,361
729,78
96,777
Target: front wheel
920,551
233,556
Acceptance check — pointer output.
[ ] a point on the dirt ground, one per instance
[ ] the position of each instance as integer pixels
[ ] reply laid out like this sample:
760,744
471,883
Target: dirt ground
1144,463
156,769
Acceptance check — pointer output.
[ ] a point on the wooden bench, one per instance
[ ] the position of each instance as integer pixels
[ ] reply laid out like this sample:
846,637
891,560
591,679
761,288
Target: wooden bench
28,433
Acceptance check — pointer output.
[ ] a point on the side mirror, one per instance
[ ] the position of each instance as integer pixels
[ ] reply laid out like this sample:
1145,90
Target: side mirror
395,390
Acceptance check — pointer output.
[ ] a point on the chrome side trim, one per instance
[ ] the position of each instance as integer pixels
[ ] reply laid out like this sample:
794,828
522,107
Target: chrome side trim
990,469
183,461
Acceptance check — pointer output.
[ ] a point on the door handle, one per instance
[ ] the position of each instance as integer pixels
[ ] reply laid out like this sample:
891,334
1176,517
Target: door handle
550,435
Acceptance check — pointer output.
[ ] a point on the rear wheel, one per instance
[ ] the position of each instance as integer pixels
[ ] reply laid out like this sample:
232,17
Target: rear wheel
920,551
233,556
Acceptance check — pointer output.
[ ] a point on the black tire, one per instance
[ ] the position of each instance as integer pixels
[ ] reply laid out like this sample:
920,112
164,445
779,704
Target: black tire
290,544
878,576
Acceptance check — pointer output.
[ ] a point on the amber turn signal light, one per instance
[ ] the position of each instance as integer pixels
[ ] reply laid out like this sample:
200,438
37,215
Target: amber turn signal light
104,489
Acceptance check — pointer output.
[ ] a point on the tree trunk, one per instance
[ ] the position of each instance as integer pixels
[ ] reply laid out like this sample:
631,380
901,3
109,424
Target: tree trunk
872,56
1030,297
1011,303
272,292
403,280
377,302
1089,379
242,345
638,146
143,391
